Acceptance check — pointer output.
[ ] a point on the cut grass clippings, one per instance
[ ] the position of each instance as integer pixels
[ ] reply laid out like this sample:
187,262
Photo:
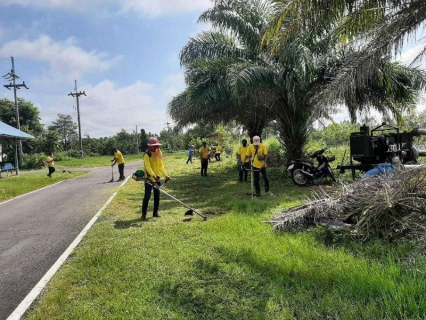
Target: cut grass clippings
231,266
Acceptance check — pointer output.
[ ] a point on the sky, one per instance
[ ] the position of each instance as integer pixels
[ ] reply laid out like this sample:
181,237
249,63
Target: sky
124,54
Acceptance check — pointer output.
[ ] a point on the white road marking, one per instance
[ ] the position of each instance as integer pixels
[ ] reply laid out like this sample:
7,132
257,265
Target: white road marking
29,299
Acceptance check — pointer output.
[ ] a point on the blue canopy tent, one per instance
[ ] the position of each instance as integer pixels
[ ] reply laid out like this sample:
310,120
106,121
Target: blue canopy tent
10,133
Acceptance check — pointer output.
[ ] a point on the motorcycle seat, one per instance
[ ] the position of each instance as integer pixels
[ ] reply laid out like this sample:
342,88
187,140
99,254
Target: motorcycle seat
304,160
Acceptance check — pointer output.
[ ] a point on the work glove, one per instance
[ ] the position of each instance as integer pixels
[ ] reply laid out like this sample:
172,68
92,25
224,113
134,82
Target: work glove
157,178
168,178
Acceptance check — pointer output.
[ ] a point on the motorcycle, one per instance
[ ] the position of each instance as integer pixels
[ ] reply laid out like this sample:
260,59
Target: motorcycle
304,171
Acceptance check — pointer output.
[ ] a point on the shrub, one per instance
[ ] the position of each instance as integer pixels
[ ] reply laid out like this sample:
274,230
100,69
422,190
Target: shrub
34,161
275,152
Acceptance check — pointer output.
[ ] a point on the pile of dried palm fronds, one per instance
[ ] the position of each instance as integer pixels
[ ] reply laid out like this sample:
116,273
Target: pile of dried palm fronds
385,205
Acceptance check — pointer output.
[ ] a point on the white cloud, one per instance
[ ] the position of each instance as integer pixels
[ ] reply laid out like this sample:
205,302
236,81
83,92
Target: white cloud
173,85
64,57
164,7
152,8
107,108
111,108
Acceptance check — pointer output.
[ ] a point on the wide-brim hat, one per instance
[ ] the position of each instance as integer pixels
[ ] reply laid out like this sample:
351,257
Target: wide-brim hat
153,141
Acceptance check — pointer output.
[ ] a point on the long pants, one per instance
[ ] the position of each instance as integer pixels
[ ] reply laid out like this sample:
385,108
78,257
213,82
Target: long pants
147,196
217,156
256,178
189,159
244,171
121,171
204,167
51,170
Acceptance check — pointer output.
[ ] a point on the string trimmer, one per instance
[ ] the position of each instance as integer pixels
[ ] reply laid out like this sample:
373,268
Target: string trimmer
138,176
189,212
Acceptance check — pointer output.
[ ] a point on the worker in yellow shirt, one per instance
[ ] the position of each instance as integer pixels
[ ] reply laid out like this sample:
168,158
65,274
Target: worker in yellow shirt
258,154
153,167
217,153
50,164
119,160
204,158
243,164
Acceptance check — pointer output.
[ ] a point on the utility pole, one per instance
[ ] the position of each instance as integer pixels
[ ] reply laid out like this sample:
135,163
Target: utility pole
11,76
77,95
168,137
137,140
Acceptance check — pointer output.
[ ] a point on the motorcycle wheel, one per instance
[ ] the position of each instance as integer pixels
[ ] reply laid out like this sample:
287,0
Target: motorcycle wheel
299,178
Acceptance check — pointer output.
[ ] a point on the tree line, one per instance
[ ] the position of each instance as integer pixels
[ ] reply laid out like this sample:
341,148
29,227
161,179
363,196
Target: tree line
61,137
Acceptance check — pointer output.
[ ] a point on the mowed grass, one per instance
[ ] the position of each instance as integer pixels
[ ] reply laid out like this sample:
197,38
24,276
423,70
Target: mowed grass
231,266
14,186
31,180
98,161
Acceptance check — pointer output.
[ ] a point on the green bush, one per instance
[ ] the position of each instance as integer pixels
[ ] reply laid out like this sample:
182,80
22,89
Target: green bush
275,152
73,153
33,161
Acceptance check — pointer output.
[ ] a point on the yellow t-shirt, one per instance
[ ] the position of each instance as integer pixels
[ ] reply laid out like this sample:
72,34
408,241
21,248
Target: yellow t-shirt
218,149
242,151
204,153
260,152
154,165
119,156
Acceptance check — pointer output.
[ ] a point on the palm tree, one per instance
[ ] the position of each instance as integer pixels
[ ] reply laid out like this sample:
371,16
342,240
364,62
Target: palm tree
230,76
207,100
368,30
217,63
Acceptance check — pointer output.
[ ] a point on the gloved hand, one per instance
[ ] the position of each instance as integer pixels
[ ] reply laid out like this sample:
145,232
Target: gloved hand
157,178
168,178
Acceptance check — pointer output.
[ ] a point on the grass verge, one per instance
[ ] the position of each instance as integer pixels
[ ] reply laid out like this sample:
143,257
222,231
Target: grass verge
97,161
229,267
25,182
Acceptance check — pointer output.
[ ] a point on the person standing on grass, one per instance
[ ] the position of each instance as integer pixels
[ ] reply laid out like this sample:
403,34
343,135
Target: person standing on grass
257,151
119,160
243,163
190,154
204,158
50,164
153,167
217,153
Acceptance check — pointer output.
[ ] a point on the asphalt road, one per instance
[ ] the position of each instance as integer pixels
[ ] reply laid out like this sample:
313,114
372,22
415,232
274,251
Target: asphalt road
37,228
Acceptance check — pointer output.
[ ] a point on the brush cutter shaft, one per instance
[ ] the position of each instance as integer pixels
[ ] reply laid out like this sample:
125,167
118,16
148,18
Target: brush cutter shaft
174,198
112,174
